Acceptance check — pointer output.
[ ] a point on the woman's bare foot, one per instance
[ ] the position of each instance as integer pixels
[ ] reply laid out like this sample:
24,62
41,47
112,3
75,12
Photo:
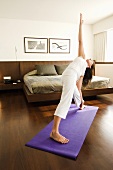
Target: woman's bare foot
82,107
59,138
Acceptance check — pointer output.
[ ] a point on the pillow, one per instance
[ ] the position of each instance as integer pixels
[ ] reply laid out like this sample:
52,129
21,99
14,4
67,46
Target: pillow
46,70
60,68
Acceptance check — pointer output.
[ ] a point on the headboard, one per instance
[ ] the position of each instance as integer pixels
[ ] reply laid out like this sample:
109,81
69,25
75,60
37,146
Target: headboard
10,68
94,68
27,66
17,69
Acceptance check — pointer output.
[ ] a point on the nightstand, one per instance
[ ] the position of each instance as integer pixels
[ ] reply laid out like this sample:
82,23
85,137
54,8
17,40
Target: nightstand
11,86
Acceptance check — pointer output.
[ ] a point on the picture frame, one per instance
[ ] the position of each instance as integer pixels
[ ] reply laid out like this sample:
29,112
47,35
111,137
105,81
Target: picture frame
57,45
35,45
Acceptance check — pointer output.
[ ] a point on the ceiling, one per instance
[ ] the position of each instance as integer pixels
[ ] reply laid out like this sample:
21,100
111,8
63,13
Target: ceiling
56,10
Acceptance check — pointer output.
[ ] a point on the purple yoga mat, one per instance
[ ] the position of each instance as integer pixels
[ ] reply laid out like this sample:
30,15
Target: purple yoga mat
75,127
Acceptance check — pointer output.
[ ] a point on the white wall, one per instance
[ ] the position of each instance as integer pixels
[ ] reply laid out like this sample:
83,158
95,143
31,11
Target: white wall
13,32
103,25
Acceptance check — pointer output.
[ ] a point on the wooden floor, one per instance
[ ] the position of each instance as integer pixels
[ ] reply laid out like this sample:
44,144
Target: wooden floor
20,122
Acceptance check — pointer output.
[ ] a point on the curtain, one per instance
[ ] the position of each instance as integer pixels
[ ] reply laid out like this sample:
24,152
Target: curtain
100,43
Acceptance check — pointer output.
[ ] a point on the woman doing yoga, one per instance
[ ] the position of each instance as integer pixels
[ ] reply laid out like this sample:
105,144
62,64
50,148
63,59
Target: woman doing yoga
77,73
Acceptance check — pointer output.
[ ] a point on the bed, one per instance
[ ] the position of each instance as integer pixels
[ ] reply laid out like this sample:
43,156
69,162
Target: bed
48,87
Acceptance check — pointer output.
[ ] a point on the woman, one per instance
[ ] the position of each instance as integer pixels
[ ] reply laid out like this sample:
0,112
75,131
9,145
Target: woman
76,74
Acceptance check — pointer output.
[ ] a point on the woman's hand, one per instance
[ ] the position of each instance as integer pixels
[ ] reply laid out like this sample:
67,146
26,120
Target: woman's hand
81,20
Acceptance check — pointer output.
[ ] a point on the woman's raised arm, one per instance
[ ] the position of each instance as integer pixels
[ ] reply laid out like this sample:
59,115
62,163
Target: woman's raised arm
80,39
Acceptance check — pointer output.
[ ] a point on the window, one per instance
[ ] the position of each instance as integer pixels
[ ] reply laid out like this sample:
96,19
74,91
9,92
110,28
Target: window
109,50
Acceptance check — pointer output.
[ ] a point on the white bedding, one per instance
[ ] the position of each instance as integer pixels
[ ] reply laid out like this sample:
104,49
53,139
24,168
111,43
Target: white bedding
98,82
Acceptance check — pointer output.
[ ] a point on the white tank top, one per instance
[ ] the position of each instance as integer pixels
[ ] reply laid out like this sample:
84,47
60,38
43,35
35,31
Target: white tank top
77,67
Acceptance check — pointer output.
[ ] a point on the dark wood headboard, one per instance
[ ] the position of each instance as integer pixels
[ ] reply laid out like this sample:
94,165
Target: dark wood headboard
27,66
10,68
17,69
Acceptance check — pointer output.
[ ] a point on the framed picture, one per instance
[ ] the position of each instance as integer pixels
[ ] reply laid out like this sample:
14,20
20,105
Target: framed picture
59,45
35,45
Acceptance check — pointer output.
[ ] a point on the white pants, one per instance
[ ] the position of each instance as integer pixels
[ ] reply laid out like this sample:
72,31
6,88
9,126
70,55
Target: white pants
69,91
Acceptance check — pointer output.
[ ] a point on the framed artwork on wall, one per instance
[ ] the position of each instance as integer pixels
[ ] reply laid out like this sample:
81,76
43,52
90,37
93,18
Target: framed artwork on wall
57,45
35,45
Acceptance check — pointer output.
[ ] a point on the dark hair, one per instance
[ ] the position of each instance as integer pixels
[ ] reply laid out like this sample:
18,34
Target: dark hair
88,75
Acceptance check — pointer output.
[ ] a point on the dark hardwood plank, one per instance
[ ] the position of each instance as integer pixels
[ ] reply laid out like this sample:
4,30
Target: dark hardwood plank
20,121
